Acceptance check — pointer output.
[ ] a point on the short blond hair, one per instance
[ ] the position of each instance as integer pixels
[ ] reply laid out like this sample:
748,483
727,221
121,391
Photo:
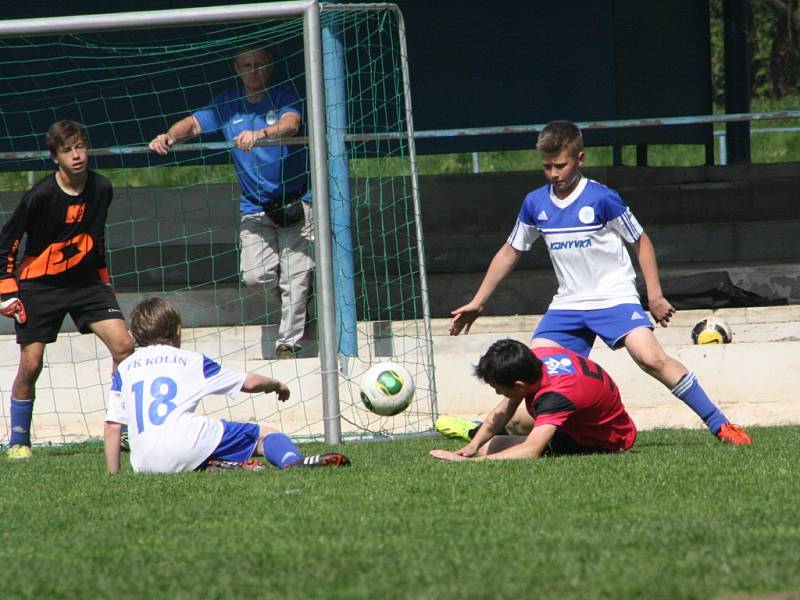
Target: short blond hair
558,136
155,321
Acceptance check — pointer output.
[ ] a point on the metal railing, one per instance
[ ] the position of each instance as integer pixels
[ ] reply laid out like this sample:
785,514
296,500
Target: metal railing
723,139
473,132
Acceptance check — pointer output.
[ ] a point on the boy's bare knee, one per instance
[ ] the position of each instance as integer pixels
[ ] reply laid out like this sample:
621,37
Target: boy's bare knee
28,373
521,422
518,426
266,429
31,361
654,364
30,367
122,349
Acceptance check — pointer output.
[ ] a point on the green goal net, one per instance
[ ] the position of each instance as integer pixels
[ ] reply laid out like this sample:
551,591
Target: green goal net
173,228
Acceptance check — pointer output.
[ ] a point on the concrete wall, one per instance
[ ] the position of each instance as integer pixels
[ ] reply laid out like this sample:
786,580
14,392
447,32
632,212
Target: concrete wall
754,379
742,219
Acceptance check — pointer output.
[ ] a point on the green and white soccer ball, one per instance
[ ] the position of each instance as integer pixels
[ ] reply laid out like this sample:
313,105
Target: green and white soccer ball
387,388
712,330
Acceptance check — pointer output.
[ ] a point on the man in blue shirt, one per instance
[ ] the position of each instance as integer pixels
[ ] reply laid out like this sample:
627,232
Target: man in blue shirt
276,230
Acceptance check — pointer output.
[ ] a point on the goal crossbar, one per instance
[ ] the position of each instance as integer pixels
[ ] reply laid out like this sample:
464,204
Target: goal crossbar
155,18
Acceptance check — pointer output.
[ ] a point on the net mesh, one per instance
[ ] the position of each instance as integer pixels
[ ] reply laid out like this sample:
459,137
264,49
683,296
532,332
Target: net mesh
173,226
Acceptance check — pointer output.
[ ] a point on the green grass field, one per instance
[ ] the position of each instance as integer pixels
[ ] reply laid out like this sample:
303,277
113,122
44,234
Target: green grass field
680,516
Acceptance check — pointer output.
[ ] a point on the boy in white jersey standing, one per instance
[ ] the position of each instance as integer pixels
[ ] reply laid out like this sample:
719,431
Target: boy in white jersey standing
585,225
156,391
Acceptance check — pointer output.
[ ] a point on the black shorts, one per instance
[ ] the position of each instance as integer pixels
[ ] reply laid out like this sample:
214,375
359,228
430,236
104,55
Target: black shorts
563,445
46,307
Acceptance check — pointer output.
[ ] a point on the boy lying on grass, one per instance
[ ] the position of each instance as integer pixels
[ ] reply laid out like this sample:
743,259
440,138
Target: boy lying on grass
573,407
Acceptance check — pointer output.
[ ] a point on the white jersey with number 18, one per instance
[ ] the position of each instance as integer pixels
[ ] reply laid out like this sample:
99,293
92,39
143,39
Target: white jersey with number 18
585,235
155,392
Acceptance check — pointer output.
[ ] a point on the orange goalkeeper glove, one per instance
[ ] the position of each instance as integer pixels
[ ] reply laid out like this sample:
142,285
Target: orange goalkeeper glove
14,309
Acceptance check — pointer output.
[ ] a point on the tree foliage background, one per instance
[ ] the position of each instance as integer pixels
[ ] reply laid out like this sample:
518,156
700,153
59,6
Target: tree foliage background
774,47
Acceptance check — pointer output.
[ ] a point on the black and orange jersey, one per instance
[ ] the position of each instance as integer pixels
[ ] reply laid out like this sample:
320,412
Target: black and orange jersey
65,235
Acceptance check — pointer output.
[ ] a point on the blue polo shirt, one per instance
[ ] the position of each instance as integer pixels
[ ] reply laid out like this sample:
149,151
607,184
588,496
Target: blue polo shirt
266,172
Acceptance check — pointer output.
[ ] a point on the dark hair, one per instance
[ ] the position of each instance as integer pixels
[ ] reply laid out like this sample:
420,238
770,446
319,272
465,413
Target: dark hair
61,132
558,136
155,321
507,361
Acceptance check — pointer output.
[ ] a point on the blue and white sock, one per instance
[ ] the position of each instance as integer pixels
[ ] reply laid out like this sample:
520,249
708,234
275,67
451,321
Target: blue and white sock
280,450
692,394
21,416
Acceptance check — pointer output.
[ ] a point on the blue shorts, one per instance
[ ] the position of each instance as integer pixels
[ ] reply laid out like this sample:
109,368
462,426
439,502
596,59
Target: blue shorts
238,442
576,330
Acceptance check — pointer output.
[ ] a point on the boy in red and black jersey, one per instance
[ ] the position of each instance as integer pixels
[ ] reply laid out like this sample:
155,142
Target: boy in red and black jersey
62,271
574,404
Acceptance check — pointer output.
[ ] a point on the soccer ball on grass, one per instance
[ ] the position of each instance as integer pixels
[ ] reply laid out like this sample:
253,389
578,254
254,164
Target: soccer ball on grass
387,388
712,330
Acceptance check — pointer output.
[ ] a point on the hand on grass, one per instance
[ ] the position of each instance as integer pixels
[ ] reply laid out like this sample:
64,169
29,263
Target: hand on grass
468,450
448,456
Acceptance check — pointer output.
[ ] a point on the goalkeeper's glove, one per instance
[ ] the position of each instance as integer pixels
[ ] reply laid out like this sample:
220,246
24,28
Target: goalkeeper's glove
14,309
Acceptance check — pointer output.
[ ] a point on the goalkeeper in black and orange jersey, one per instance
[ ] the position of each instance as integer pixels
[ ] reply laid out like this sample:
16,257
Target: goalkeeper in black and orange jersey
62,270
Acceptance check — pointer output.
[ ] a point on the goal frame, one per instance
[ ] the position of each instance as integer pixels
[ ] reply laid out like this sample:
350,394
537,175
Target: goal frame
309,11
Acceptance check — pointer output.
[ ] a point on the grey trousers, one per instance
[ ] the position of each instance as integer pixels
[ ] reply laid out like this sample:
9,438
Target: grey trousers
282,255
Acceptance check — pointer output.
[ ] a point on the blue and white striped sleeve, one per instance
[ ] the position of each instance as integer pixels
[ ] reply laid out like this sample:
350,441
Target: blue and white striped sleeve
620,218
525,232
219,380
627,226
